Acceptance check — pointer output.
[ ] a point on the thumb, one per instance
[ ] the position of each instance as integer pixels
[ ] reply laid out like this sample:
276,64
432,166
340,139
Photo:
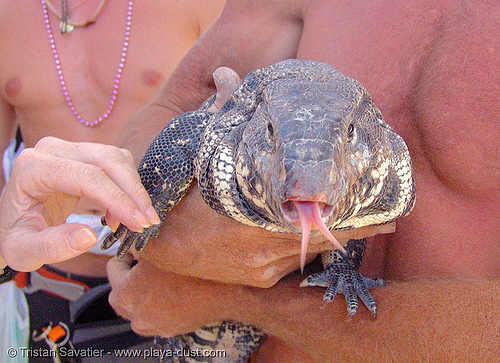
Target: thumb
80,238
226,81
53,244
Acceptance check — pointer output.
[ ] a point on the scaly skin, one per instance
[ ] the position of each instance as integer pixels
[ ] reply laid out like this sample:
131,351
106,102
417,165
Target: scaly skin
298,147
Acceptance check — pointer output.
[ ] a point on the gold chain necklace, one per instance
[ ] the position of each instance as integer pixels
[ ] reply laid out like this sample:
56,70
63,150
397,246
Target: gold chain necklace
66,25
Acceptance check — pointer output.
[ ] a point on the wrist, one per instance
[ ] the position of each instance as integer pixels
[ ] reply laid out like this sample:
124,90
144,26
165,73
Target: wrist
282,308
266,308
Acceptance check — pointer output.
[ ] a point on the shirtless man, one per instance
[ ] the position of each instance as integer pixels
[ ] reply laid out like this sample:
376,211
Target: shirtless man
31,95
151,37
432,68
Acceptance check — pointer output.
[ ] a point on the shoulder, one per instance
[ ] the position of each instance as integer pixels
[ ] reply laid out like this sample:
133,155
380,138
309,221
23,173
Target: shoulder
206,12
274,8
199,14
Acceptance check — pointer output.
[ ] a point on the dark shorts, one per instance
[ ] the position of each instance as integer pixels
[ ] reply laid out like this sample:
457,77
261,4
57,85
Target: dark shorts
94,326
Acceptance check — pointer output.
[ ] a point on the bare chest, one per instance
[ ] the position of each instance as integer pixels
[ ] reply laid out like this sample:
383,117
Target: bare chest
431,67
89,60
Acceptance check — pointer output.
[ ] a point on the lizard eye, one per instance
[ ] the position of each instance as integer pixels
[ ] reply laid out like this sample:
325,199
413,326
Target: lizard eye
350,131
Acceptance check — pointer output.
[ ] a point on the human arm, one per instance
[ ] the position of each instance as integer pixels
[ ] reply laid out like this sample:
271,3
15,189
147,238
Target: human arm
418,319
46,183
197,241
7,130
241,42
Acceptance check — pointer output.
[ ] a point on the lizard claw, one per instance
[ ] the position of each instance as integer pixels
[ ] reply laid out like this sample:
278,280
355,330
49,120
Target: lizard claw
344,279
144,237
129,238
113,237
340,275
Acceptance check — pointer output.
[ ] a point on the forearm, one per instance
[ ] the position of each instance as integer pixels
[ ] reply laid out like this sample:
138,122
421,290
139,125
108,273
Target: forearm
7,131
191,82
416,320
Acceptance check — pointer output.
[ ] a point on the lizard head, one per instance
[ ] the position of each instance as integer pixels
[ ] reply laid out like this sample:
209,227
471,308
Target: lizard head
316,154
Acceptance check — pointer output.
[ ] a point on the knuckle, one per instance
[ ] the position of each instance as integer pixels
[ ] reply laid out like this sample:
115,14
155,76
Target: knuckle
265,277
264,284
113,154
101,154
128,156
259,259
47,142
143,330
93,177
29,169
113,158
26,158
51,253
122,307
92,174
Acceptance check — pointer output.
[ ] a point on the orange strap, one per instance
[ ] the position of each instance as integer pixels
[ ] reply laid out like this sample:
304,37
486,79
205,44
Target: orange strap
57,332
21,278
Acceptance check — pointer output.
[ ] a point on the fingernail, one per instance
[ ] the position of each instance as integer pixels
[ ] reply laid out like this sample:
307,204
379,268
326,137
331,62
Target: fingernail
214,76
387,228
81,240
140,218
114,224
152,215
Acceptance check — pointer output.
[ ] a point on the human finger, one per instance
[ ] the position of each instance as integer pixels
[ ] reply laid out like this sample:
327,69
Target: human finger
121,298
117,268
364,232
38,176
51,245
227,81
116,163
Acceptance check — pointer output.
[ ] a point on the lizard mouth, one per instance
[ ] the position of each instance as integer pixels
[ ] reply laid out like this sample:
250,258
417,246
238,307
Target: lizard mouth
309,213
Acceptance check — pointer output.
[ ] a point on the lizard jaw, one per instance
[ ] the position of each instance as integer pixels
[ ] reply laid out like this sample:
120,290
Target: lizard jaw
309,213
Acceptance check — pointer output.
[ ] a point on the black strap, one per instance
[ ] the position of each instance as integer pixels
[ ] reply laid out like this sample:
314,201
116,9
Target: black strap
19,139
7,275
107,333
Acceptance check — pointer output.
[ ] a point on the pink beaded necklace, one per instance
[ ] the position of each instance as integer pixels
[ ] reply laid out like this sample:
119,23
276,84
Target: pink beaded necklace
116,83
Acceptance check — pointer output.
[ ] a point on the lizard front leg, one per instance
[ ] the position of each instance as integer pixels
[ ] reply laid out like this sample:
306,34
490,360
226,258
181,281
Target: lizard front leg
340,275
166,171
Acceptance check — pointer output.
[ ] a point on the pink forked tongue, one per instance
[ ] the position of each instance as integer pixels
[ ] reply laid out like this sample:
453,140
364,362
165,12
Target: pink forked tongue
310,213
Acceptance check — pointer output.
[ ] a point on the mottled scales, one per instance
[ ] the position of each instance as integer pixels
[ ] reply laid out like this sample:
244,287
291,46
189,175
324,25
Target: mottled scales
298,148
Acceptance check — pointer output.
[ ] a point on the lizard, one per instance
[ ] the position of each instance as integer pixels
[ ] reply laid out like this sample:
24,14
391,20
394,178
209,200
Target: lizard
297,148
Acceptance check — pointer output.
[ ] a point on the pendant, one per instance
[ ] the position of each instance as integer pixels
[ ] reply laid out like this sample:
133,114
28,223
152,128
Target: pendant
66,27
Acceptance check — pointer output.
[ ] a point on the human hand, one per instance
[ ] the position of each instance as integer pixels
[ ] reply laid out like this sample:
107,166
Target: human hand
161,303
47,182
226,81
197,241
